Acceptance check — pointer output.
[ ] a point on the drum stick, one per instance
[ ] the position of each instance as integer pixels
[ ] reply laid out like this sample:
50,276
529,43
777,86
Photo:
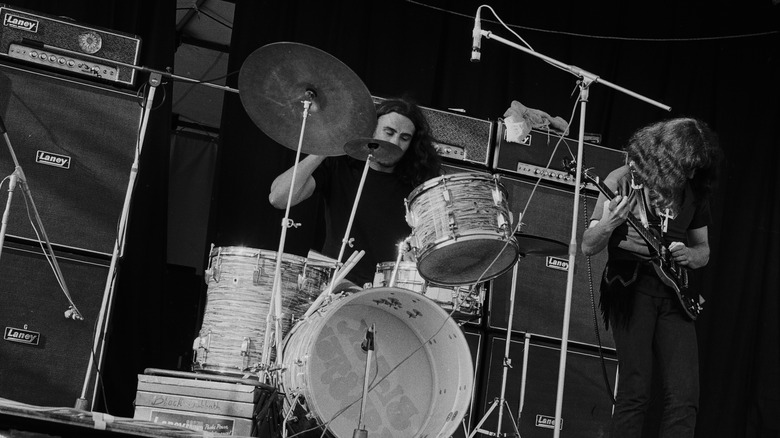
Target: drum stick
338,277
401,248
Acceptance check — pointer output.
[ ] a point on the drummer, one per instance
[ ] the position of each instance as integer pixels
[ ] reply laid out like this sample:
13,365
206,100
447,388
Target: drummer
380,219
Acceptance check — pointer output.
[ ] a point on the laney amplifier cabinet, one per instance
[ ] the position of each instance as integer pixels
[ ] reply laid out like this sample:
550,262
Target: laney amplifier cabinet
530,157
61,44
458,137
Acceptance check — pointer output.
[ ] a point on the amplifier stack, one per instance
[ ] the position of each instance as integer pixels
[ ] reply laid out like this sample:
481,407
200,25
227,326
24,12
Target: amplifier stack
546,192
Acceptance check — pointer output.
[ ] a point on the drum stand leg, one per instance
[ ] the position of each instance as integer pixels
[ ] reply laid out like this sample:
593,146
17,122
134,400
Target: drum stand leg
500,402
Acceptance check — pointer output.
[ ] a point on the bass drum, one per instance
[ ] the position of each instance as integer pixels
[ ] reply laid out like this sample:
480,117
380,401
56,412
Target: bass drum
420,377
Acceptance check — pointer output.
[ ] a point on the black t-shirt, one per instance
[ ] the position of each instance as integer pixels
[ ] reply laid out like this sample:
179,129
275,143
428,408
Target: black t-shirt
380,219
625,243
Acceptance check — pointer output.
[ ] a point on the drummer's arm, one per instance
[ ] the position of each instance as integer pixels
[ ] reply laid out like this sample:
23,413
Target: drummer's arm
304,183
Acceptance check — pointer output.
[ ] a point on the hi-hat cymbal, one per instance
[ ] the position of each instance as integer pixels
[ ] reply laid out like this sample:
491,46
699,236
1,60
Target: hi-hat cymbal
382,151
536,245
276,78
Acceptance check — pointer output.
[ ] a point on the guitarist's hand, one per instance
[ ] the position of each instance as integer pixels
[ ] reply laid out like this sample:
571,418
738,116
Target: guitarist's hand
679,253
616,211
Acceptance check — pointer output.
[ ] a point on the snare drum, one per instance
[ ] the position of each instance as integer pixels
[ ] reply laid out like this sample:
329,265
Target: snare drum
460,224
238,304
421,374
461,302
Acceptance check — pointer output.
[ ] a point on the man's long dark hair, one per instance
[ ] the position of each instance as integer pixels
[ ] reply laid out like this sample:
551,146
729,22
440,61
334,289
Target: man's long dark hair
668,154
421,162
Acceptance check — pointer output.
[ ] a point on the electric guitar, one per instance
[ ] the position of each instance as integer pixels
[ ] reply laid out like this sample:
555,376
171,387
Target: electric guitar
670,273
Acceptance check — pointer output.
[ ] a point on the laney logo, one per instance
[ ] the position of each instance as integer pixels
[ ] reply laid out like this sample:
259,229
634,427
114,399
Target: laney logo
548,422
51,159
21,336
21,23
557,263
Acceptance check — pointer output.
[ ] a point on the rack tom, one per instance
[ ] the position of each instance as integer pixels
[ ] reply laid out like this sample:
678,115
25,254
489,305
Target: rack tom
461,229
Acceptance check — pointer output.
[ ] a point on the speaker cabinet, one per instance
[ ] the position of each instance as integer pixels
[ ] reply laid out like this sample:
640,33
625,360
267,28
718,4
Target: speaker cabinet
44,355
586,408
476,341
75,143
541,280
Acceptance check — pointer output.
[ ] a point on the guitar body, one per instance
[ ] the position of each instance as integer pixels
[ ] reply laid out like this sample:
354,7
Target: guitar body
671,274
678,280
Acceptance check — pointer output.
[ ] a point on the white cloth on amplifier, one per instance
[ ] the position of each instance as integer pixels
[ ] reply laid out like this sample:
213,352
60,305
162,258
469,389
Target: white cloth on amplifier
519,120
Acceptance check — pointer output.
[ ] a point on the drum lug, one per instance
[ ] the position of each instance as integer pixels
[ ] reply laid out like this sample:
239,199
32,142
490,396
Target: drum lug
410,219
200,347
502,223
452,224
214,269
447,197
497,196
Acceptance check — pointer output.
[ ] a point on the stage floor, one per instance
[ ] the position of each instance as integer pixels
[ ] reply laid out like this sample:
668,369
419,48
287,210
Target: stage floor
19,420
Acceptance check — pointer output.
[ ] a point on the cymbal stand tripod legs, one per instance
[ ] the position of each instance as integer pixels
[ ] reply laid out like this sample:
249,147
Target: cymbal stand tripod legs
500,402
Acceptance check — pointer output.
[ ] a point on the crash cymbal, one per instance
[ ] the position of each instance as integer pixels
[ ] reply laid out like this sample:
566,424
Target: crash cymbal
276,78
382,151
536,245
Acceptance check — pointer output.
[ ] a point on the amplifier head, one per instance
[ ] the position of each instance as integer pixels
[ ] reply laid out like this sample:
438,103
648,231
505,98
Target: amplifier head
55,43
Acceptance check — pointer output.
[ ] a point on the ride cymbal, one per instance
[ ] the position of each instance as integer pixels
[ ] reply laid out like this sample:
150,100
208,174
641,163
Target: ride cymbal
274,81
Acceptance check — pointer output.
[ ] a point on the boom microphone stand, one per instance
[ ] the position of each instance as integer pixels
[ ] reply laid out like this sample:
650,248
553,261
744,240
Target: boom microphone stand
154,81
119,244
585,79
18,178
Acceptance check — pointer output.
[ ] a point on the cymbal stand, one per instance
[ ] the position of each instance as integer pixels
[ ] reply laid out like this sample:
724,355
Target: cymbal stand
346,240
500,402
585,79
275,318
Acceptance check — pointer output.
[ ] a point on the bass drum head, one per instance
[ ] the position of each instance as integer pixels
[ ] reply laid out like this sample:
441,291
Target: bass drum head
420,377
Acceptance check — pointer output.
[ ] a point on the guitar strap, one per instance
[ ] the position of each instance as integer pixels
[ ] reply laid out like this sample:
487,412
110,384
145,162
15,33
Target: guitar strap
642,207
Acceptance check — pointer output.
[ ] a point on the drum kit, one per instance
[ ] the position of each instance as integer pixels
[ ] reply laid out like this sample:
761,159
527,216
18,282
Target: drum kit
389,359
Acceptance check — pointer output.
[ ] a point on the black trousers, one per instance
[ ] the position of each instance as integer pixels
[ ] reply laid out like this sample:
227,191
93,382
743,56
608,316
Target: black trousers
659,330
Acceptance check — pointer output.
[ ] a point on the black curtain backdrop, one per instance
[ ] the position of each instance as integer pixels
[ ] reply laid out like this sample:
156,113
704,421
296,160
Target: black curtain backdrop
713,60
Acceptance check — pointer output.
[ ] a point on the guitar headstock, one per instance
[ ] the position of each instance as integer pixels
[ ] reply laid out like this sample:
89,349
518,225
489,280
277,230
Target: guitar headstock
570,166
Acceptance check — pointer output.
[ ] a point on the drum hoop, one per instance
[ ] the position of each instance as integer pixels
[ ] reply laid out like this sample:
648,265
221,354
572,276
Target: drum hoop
386,265
245,251
431,183
445,241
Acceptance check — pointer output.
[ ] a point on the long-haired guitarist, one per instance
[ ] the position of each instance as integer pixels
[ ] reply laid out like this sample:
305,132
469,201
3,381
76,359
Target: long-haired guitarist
652,216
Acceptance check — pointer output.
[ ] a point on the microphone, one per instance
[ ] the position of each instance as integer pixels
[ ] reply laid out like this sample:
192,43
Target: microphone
476,37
